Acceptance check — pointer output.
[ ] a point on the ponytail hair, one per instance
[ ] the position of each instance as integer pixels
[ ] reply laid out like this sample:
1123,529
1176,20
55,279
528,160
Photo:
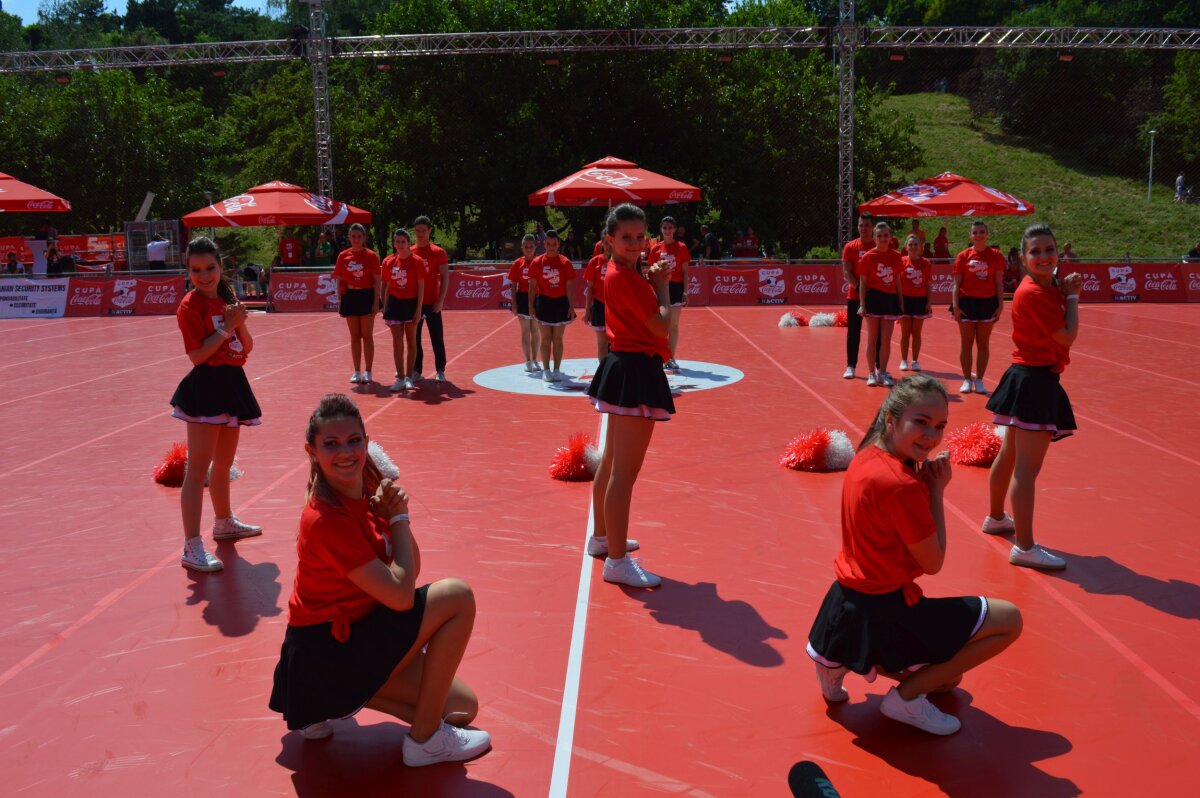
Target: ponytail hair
906,392
203,245
335,407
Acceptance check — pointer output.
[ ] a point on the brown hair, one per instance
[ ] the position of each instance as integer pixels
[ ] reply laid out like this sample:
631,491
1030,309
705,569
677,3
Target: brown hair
906,392
333,407
203,245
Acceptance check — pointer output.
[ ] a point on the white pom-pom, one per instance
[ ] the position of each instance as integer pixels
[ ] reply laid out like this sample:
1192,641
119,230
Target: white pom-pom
821,320
788,320
235,471
381,460
999,429
840,451
591,456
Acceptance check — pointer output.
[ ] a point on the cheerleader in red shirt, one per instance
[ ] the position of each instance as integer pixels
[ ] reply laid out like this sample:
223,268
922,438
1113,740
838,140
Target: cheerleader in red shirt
360,632
518,278
916,294
404,277
977,301
630,387
874,619
550,293
358,285
879,287
214,398
593,298
674,254
1029,399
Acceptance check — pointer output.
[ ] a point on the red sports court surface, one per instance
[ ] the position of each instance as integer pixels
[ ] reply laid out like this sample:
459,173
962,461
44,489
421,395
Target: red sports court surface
120,673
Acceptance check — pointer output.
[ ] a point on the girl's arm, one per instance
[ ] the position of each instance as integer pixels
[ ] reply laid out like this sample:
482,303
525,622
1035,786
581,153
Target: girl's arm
392,585
660,323
587,302
567,287
687,266
243,334
929,288
1071,288
954,297
207,349
341,286
930,553
862,296
378,294
999,294
421,298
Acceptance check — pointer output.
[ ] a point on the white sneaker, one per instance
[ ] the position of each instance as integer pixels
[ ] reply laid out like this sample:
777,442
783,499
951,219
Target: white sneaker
998,526
598,547
366,377
408,384
966,387
830,680
441,376
196,558
447,744
918,712
356,378
628,571
559,376
528,366
1036,557
317,731
979,387
547,375
904,365
848,374
671,364
886,380
915,365
398,385
872,380
231,529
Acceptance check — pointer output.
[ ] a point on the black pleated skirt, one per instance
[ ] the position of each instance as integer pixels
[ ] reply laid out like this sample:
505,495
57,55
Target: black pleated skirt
632,384
218,395
1032,398
357,302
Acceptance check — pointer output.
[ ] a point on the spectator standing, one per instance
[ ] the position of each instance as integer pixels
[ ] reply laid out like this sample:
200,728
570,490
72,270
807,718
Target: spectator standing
291,251
711,247
1192,256
571,246
1068,254
539,237
12,265
156,253
1179,188
917,231
323,251
941,245
1012,270
54,263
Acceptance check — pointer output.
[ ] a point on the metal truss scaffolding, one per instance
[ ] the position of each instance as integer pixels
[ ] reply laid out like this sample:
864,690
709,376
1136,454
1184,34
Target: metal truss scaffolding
846,37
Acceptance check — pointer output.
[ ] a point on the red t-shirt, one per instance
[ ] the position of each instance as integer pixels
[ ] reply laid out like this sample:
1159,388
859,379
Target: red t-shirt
851,254
333,541
885,507
518,275
401,275
629,300
552,273
941,247
1037,311
881,269
593,275
598,249
435,257
915,276
978,271
675,253
357,269
289,251
199,317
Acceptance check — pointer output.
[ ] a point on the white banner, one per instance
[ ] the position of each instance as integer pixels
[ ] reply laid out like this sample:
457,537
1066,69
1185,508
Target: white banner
32,299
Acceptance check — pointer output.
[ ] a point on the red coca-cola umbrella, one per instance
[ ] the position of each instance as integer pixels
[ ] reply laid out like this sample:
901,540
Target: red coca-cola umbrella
276,203
947,194
610,181
18,197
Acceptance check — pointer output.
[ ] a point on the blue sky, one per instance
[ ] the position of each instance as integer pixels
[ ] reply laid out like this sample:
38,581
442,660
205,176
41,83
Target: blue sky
27,9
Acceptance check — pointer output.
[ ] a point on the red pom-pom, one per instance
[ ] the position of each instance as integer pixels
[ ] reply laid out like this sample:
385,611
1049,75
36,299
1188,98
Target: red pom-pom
807,452
170,471
976,444
800,320
572,463
840,319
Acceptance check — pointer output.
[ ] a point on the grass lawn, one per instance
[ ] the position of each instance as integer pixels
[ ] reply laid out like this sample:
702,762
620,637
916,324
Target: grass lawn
1104,216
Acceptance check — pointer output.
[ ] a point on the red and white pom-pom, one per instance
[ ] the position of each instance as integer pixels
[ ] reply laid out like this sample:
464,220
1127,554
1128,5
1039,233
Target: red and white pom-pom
822,320
840,319
819,450
382,461
976,444
792,319
577,461
170,470
174,465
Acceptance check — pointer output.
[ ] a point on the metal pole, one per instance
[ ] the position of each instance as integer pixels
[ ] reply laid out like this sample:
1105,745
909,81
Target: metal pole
1150,179
318,57
847,40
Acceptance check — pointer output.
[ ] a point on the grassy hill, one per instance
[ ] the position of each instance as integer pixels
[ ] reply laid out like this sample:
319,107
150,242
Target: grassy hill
1104,216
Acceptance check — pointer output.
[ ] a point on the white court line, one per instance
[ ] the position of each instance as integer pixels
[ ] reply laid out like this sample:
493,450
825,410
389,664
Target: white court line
570,701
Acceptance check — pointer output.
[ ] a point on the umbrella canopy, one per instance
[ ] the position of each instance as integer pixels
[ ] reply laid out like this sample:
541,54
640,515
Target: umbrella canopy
16,196
609,181
947,194
276,203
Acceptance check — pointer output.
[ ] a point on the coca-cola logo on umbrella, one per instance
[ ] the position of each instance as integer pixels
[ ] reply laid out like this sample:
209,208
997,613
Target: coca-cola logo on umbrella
612,177
319,203
39,205
235,204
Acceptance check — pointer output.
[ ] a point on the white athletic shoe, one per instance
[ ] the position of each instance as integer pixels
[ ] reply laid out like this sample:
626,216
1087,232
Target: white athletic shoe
918,712
231,529
447,744
528,365
628,571
848,374
904,365
966,387
916,365
356,378
398,385
998,526
317,731
1036,557
598,547
195,558
872,380
366,377
886,380
979,387
408,384
547,375
441,376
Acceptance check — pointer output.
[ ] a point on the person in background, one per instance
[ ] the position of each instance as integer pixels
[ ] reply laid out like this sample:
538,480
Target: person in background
12,265
1068,255
291,251
917,231
941,245
323,251
156,253
539,235
1192,256
571,247
1180,190
54,263
1012,270
710,246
